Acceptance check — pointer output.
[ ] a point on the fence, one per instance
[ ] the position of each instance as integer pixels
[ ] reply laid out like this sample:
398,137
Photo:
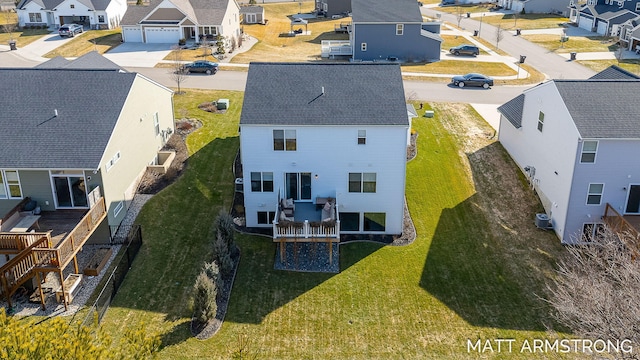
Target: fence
131,246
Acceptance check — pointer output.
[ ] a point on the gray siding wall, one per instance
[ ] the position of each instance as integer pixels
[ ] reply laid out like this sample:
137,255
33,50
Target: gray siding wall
335,7
547,6
616,167
382,42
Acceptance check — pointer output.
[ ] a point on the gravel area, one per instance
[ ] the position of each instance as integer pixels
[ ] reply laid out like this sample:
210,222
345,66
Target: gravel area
308,257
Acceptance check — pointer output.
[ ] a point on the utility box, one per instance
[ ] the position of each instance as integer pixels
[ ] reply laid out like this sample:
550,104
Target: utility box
222,104
239,187
428,113
542,221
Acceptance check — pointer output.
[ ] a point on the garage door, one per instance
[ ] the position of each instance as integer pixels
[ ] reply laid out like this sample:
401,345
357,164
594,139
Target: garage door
585,23
602,27
162,35
133,35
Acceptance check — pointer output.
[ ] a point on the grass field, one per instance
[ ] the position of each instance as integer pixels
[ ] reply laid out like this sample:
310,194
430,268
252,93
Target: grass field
461,67
23,37
526,21
92,40
599,65
574,44
477,268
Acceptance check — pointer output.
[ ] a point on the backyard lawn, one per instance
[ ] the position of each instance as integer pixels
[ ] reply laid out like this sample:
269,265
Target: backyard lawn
574,44
476,270
92,40
632,65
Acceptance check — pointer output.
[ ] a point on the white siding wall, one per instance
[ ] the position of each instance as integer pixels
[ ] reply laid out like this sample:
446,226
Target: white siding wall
114,12
230,26
23,15
331,153
134,137
64,9
617,172
551,151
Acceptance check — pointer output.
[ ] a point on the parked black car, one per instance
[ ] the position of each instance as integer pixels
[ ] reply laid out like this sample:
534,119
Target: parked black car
465,49
472,80
70,30
202,66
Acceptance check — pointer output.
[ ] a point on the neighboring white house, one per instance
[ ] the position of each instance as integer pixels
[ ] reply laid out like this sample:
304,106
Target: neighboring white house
577,142
537,6
168,21
95,14
309,132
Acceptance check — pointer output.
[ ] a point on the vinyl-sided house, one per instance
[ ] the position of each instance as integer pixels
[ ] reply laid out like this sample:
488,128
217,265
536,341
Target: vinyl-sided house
324,144
252,14
168,21
393,30
630,34
577,143
96,14
604,17
75,157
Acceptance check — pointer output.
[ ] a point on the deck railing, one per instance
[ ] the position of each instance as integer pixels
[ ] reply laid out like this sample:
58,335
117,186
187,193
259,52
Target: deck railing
14,272
619,225
13,243
305,230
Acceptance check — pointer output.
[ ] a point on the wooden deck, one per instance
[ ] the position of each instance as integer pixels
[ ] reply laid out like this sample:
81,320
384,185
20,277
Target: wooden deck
626,224
60,222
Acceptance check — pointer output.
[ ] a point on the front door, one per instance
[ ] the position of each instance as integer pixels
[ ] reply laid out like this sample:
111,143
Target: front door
298,186
633,200
70,191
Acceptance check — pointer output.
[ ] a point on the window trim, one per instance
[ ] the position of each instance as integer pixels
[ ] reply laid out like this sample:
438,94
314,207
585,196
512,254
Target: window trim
399,29
271,215
600,194
362,183
35,17
72,6
540,121
261,181
365,222
156,123
101,19
288,143
584,152
118,208
362,137
7,185
114,159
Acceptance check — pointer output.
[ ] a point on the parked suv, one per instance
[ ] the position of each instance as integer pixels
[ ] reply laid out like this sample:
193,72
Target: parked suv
70,30
465,50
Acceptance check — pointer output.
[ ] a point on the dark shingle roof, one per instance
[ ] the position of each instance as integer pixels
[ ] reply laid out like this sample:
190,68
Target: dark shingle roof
90,60
605,109
512,110
618,17
614,72
204,12
88,103
251,9
354,94
391,11
52,4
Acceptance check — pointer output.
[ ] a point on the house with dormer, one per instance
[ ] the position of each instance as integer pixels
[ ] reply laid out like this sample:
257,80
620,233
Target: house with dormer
604,17
92,14
169,21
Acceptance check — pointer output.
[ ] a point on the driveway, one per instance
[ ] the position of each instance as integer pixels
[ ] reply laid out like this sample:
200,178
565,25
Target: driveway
139,54
45,44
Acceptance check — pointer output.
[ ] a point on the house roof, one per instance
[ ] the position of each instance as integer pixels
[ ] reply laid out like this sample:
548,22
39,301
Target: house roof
618,17
204,12
90,60
603,108
512,110
52,4
251,9
389,11
614,72
88,104
291,94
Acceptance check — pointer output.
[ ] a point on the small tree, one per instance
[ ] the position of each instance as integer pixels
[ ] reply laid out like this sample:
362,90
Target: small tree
9,26
223,256
459,14
596,291
619,54
220,45
233,44
177,73
515,19
204,302
213,272
499,35
225,227
252,2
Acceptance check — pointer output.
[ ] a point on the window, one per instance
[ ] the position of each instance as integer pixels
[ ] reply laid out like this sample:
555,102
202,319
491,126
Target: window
637,6
399,29
594,196
101,18
362,137
35,17
363,47
262,182
113,161
284,140
589,149
591,231
156,123
349,221
10,185
118,208
540,121
362,182
73,6
374,221
266,217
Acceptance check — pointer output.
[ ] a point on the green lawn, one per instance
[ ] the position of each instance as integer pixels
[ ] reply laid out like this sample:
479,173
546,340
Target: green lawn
475,270
526,21
632,65
461,67
23,37
92,40
574,44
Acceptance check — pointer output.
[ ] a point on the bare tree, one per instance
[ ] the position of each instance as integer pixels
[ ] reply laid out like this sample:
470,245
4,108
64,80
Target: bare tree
9,25
596,290
177,73
619,53
515,19
499,35
459,14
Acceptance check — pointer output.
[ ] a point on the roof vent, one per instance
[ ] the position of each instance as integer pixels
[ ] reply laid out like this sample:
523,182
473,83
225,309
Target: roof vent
55,112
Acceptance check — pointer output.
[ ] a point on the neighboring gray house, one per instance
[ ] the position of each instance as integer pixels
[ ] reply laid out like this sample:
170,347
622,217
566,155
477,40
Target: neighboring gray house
537,6
577,143
91,60
604,17
252,14
630,34
329,8
393,30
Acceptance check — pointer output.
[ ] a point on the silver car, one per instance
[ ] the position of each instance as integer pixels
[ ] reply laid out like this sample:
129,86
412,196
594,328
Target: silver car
70,30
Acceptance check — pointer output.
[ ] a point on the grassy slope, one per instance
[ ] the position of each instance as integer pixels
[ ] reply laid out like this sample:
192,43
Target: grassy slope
457,281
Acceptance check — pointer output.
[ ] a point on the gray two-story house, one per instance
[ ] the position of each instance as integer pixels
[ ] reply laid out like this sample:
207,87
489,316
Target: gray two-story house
604,17
329,8
577,142
393,30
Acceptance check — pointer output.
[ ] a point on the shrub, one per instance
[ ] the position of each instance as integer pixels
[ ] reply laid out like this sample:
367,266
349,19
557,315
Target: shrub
213,272
225,227
204,303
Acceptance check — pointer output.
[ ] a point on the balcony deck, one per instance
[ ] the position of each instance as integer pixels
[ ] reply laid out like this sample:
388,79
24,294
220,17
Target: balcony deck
60,223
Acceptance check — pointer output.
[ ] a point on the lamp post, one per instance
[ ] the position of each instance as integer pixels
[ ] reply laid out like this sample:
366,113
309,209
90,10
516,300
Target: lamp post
480,28
300,3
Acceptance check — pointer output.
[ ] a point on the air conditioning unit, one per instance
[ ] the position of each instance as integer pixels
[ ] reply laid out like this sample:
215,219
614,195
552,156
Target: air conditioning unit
543,221
239,185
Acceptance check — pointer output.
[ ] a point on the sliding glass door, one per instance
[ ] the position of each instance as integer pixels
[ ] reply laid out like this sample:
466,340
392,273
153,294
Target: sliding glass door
298,186
70,190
